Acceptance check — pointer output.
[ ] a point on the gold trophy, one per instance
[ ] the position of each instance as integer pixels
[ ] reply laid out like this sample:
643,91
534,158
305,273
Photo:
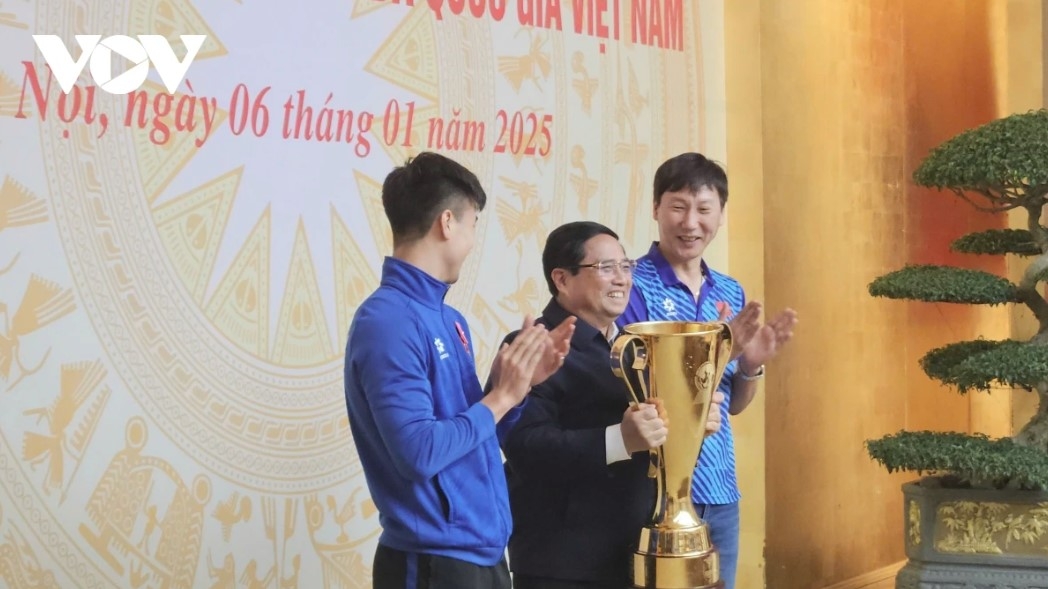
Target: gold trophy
681,363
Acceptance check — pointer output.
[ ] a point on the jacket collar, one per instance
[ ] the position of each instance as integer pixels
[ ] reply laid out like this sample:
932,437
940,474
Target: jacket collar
665,271
414,282
554,314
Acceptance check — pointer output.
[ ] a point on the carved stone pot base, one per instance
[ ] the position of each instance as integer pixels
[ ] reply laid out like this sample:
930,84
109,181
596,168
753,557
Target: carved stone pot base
956,576
973,538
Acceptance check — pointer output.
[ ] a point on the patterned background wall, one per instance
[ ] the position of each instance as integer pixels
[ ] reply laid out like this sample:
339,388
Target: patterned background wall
178,271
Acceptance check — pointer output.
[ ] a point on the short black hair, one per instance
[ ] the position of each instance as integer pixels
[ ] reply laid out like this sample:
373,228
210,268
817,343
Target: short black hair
692,171
566,246
414,194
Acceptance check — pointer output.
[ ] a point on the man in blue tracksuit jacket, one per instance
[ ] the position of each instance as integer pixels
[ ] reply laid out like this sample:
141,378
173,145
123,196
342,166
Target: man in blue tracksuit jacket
426,434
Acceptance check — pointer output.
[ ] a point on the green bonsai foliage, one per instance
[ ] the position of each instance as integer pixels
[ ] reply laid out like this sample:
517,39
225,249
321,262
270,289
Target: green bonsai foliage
997,241
978,364
976,460
942,284
997,167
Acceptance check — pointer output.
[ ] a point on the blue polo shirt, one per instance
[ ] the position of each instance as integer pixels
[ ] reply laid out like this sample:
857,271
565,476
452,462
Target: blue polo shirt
658,295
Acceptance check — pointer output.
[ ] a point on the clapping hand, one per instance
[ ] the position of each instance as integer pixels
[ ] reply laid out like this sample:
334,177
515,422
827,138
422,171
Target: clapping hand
557,346
754,343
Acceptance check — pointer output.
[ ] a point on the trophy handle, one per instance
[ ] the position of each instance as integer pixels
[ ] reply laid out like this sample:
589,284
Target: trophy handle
726,344
640,362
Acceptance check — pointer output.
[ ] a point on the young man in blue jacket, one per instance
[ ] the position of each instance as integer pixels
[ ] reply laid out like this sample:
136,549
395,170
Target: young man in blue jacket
672,282
426,434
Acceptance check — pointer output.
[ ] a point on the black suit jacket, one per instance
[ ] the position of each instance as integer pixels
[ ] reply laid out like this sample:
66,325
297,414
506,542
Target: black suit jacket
574,516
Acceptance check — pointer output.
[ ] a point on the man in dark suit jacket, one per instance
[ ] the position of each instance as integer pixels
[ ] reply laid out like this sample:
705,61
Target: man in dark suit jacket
577,460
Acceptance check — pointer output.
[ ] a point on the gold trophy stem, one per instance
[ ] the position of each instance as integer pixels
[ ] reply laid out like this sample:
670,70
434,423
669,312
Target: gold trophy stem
681,364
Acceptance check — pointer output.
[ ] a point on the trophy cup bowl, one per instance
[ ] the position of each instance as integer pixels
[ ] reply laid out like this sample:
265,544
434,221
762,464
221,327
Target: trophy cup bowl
681,363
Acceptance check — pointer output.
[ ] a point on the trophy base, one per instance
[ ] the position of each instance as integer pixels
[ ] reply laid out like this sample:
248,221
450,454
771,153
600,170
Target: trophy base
651,571
676,558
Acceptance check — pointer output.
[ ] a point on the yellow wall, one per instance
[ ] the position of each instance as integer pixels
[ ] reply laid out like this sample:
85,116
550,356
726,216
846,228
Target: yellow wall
834,206
853,94
746,231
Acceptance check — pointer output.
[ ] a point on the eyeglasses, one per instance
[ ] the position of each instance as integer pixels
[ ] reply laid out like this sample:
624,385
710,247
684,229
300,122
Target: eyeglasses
608,267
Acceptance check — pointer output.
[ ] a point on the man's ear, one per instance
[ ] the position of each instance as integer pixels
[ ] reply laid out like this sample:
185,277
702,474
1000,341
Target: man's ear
444,222
560,278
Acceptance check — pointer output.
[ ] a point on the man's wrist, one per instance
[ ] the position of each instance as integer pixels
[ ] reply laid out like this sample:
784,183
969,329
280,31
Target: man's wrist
748,373
748,366
500,402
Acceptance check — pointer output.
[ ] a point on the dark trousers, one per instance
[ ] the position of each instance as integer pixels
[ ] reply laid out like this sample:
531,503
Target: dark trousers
394,569
526,582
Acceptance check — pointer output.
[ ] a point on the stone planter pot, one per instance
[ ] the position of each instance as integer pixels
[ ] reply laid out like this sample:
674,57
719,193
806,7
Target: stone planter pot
973,538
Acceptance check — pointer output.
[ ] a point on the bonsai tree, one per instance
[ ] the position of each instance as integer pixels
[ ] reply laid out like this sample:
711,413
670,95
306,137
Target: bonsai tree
1000,166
